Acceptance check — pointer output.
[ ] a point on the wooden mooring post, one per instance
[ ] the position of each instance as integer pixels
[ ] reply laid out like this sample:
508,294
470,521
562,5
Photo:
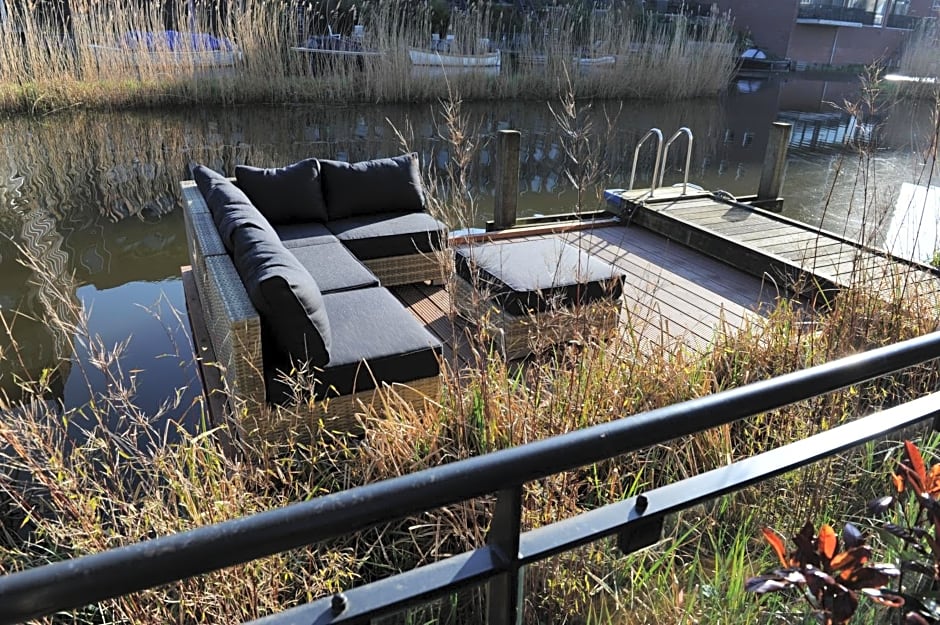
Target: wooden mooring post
775,162
507,179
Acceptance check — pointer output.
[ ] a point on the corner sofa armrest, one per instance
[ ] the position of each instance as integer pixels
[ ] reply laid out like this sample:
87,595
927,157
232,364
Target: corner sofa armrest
202,237
235,331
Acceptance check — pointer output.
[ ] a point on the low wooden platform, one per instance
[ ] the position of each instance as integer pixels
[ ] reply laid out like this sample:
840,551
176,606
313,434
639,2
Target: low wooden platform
764,243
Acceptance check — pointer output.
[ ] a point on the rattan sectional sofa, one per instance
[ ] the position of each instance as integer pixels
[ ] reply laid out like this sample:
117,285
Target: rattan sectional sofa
291,266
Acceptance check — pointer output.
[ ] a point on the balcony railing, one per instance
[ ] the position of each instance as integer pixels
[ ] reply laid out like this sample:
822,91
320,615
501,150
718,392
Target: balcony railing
836,14
909,22
499,563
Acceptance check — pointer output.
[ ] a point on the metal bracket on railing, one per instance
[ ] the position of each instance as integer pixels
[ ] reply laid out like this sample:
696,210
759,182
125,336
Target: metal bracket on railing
659,152
640,535
688,157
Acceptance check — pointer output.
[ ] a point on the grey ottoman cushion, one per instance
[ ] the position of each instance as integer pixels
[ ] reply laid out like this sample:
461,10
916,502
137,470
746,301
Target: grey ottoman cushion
395,234
537,275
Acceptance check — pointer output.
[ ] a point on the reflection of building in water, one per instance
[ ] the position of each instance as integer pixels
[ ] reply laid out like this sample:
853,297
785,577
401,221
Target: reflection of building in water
817,130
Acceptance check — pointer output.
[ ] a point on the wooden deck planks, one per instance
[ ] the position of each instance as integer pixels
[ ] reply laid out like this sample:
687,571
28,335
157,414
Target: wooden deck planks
680,294
672,294
825,255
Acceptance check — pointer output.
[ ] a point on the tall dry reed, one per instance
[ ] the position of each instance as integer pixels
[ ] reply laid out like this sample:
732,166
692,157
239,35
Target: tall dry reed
50,64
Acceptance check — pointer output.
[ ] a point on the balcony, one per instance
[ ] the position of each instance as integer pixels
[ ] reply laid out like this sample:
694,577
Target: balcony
822,13
908,22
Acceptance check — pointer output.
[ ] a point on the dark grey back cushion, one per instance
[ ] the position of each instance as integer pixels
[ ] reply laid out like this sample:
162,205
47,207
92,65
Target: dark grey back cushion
285,195
205,177
230,207
288,299
368,187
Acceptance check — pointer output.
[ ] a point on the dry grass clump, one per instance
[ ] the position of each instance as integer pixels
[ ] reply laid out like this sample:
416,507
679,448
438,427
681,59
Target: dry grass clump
50,63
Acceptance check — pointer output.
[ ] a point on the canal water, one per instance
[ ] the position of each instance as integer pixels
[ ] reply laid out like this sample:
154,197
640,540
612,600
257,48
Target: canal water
92,200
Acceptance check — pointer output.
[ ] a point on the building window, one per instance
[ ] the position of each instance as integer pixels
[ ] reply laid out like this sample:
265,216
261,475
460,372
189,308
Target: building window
936,5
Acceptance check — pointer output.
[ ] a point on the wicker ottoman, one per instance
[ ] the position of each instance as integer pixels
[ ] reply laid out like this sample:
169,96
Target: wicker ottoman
535,293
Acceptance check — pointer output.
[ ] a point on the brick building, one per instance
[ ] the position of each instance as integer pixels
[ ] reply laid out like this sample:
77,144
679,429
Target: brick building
830,32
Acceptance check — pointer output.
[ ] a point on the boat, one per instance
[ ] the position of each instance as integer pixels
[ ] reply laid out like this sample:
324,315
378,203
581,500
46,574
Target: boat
439,58
169,47
336,46
583,61
756,60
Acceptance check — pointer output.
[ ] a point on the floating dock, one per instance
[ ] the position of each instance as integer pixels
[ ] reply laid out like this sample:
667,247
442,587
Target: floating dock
797,257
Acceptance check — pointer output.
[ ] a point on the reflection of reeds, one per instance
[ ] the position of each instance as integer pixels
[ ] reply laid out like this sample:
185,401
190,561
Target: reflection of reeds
44,65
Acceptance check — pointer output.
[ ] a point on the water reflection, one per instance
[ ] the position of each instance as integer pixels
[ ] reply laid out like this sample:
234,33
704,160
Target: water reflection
93,197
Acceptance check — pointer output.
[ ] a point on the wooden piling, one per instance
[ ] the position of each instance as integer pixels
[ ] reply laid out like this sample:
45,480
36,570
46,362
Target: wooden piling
775,162
507,178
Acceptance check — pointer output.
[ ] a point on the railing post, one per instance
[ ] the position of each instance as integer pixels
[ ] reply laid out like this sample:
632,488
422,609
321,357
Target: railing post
504,592
507,178
775,162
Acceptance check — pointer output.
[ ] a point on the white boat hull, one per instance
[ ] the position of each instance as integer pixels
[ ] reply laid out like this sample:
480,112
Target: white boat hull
437,59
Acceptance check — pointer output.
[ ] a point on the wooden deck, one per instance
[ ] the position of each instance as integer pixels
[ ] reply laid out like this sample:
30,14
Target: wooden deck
672,295
764,243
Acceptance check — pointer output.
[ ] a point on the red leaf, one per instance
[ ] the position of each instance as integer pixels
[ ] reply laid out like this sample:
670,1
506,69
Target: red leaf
916,463
777,543
826,542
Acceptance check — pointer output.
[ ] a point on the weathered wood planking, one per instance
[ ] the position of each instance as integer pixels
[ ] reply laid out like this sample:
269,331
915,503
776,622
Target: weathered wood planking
673,295
764,243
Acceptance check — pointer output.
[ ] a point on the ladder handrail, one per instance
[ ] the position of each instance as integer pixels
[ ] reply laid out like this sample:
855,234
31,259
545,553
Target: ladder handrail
688,157
659,153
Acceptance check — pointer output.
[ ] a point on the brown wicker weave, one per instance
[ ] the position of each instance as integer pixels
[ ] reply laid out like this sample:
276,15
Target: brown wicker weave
234,329
518,336
399,270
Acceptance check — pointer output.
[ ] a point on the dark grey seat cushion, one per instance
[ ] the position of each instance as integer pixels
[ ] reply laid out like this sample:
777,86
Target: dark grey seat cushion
395,234
537,275
374,336
230,207
302,235
293,315
285,195
334,268
383,185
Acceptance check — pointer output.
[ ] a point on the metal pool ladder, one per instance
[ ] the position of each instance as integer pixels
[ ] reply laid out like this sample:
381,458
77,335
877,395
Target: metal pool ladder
662,152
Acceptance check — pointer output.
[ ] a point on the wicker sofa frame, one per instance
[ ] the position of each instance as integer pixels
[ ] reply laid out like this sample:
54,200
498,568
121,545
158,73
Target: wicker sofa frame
234,328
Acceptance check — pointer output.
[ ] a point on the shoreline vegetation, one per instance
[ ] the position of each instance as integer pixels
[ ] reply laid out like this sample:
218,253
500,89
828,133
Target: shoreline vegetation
63,498
52,62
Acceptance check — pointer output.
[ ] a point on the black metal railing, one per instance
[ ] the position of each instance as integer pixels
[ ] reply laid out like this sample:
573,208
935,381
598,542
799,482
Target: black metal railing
499,563
909,22
836,14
